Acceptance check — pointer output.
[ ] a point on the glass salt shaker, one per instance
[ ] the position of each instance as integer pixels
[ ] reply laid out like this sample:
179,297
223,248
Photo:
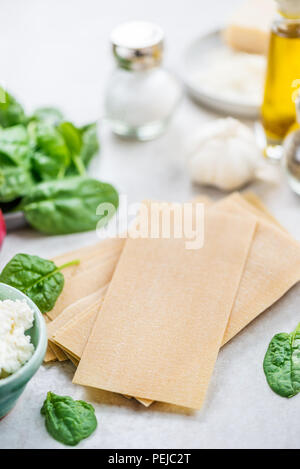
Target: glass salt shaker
141,96
291,153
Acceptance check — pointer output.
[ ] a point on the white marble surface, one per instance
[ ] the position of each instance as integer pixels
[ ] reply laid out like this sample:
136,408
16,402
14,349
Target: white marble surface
56,52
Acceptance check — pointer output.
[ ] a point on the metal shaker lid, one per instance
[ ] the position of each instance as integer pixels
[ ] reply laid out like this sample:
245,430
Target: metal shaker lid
137,45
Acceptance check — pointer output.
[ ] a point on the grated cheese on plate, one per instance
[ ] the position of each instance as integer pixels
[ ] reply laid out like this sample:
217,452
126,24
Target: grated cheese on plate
232,76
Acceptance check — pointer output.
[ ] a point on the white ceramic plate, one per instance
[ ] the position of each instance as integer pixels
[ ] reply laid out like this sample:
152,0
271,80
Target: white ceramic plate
195,58
14,221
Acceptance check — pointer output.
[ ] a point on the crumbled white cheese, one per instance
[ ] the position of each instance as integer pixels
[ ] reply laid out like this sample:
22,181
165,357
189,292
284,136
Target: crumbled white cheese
16,317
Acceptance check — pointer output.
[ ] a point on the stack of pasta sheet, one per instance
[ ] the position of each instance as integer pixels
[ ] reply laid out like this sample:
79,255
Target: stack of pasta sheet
146,317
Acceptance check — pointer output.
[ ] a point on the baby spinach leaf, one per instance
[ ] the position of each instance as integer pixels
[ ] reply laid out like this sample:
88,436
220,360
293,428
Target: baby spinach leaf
47,167
71,136
16,182
15,155
14,134
82,143
38,278
68,205
48,115
73,140
282,363
15,145
49,140
51,156
11,112
90,143
68,421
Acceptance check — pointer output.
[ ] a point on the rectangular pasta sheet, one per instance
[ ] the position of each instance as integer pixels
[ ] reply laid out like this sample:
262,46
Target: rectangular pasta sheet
52,352
165,313
73,310
102,248
251,298
243,312
101,257
73,336
254,201
65,331
90,258
84,284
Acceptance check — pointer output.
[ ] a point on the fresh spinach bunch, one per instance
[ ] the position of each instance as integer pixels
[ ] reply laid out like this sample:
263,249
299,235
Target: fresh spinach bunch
68,421
38,278
43,163
282,363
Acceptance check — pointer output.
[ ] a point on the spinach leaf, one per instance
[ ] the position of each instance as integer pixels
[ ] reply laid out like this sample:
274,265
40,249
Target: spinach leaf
48,167
15,145
68,205
15,159
14,134
68,421
16,181
282,363
62,151
11,112
51,156
71,136
38,278
49,140
41,149
48,115
73,140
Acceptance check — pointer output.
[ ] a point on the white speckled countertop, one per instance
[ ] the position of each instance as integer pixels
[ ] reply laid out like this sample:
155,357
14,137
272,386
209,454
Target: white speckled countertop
56,52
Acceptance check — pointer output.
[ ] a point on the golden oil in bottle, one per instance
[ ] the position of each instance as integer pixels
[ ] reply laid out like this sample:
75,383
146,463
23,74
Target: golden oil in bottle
283,76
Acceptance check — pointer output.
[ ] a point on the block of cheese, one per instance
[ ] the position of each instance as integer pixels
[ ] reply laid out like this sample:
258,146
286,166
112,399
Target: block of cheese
249,27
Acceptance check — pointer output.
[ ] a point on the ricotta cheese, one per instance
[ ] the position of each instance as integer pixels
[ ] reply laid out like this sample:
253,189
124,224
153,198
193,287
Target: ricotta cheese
233,76
16,317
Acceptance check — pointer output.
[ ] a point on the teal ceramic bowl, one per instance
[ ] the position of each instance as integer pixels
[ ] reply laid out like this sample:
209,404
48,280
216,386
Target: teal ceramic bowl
12,387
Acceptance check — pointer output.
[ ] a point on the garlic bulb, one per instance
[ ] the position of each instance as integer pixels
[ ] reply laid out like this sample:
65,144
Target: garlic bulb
225,155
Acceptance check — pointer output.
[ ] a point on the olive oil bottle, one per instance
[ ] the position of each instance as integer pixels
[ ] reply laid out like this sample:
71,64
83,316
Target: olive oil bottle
282,77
